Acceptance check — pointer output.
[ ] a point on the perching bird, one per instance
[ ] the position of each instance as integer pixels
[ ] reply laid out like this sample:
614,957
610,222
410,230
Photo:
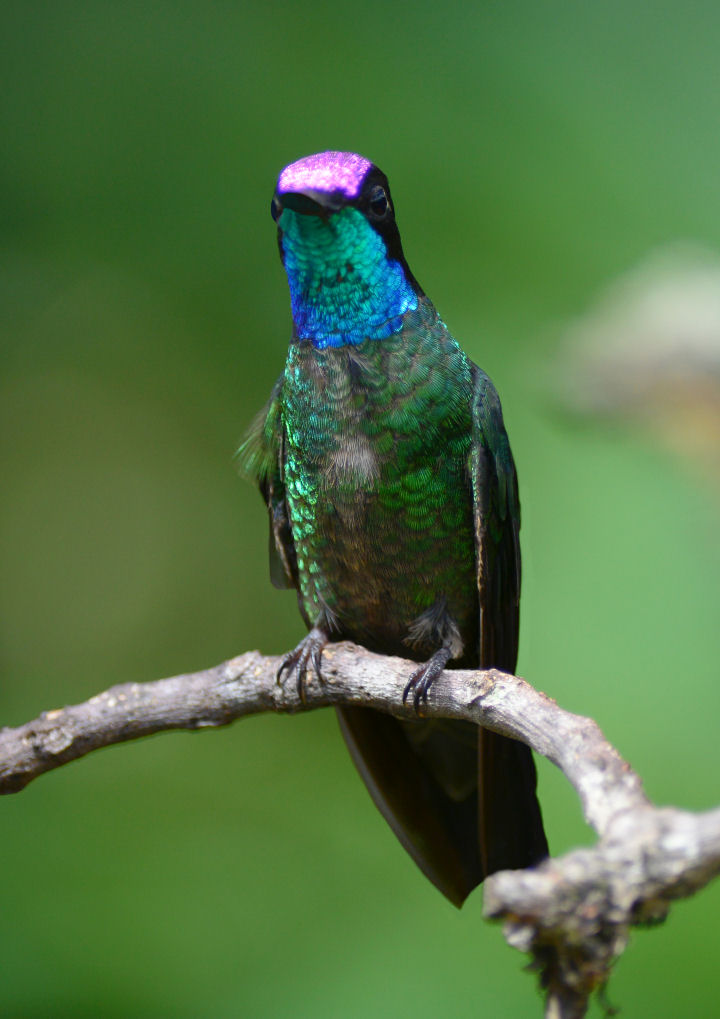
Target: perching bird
385,465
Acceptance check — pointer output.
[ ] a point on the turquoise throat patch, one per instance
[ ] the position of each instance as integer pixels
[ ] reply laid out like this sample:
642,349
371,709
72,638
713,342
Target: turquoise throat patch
343,287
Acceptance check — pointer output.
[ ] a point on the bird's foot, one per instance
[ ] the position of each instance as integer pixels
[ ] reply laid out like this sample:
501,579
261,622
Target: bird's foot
308,652
424,677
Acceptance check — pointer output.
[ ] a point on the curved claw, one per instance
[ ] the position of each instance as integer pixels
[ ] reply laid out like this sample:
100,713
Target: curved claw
308,652
424,677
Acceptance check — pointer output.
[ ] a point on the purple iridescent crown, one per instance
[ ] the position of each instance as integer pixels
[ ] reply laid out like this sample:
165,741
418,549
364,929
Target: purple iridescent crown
326,171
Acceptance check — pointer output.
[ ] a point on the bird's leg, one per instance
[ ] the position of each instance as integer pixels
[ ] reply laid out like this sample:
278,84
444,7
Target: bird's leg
308,652
434,626
424,677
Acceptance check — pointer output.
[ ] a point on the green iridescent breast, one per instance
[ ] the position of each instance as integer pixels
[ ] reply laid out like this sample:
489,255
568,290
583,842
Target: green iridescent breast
375,471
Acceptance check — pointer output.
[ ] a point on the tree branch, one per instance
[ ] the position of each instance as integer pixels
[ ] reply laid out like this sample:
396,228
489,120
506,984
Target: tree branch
572,914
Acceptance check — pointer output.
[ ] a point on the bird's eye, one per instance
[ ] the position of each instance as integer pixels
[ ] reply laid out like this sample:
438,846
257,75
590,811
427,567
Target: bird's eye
379,204
275,209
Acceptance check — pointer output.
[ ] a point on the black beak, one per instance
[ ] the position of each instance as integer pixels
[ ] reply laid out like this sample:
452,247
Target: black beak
307,203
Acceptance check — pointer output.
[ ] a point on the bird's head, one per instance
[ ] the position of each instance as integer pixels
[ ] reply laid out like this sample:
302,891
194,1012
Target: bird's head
341,249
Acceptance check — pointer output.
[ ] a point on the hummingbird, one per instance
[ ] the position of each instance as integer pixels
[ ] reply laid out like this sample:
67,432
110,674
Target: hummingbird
392,494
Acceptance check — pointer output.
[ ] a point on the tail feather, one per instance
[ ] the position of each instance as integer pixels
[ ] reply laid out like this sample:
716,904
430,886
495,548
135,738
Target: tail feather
460,799
438,831
511,834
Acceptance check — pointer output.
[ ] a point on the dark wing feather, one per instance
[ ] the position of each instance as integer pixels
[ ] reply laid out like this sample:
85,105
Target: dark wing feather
496,511
511,829
261,459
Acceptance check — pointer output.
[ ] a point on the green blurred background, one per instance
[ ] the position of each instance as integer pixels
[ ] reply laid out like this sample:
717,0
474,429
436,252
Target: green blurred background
536,151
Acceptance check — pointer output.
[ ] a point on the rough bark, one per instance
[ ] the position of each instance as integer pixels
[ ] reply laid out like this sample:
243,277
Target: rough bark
572,914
